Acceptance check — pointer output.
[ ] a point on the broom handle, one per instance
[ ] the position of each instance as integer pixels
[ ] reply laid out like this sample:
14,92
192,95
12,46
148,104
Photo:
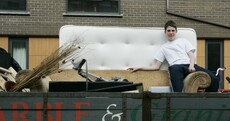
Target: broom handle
83,73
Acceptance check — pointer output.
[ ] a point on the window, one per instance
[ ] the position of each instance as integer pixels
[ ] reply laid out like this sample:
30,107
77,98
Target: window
93,6
214,56
18,47
12,5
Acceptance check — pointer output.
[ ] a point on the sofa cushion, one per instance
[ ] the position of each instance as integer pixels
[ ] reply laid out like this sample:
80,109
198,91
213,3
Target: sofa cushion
109,51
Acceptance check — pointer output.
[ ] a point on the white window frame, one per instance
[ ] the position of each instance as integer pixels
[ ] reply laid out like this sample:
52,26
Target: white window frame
95,10
7,10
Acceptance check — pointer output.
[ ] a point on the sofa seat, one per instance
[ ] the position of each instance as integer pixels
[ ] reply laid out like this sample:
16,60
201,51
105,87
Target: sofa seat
148,78
109,51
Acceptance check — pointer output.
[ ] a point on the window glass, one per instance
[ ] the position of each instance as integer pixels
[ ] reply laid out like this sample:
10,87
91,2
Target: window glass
18,50
214,55
93,6
214,58
12,5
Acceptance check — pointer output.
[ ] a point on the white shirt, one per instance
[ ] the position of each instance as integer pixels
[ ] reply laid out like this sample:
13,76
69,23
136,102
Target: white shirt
175,52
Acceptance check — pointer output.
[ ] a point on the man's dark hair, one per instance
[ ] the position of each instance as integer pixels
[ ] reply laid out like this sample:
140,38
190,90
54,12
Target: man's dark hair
170,23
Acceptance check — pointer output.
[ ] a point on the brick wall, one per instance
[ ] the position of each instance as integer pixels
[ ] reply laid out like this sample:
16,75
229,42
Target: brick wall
46,17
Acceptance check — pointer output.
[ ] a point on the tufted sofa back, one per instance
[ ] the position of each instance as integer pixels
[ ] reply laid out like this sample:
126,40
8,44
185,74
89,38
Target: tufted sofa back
117,48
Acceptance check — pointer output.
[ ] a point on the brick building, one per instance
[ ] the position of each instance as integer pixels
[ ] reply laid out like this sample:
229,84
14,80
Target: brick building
29,28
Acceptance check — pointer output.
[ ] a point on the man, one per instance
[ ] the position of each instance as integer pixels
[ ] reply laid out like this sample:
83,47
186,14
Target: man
179,53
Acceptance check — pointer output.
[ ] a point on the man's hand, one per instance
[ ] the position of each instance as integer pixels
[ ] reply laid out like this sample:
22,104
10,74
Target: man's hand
191,69
133,69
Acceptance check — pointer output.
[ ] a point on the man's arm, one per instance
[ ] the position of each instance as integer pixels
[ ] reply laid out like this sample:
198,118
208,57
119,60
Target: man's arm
192,61
155,67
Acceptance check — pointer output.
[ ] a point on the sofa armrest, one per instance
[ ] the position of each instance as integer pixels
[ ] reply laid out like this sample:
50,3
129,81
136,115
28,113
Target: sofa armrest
196,80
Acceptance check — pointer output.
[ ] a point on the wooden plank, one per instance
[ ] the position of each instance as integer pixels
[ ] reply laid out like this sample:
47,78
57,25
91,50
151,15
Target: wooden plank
226,62
25,103
40,48
10,77
4,42
95,102
200,103
191,115
190,107
35,60
2,82
43,46
97,115
13,72
94,106
90,103
8,74
201,52
21,115
68,115
5,70
70,106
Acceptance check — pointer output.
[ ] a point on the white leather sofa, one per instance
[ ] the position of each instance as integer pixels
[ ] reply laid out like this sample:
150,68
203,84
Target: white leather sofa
114,49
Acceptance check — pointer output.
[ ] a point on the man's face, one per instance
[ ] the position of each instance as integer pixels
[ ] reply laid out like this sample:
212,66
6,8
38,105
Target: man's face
170,33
